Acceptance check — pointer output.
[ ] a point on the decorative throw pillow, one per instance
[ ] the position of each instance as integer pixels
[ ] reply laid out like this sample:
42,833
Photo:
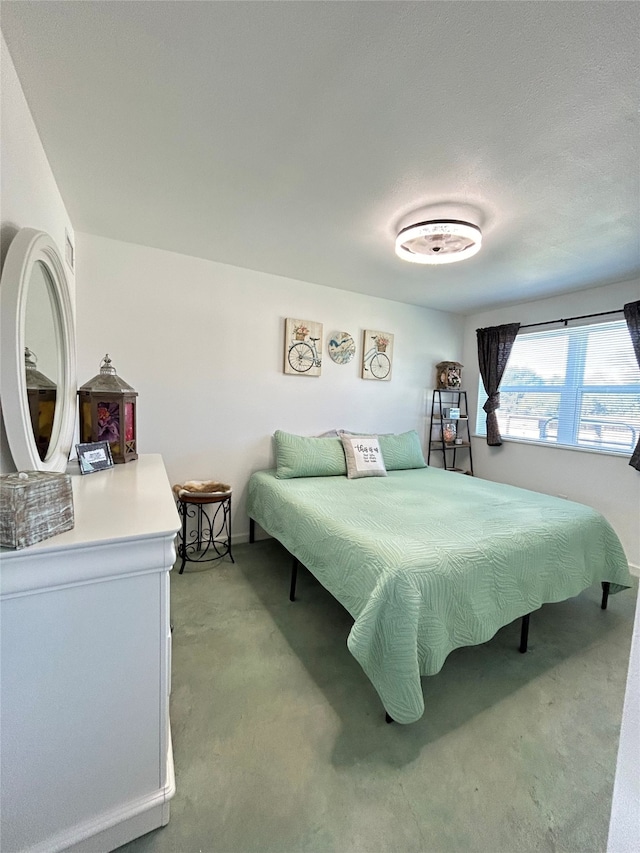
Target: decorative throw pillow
302,456
402,451
363,455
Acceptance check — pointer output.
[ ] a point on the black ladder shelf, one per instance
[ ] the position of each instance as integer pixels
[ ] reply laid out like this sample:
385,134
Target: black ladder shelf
444,430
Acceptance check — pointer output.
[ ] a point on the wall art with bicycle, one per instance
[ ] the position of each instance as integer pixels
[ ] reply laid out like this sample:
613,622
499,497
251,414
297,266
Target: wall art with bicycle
302,347
377,355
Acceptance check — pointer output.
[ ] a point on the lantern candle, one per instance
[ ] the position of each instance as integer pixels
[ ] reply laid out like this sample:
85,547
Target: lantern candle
108,412
41,395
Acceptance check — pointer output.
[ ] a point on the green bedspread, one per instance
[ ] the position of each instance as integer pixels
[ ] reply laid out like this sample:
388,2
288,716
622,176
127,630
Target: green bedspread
427,561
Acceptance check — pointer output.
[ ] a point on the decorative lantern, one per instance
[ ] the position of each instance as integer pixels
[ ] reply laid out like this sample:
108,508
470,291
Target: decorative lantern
449,376
108,412
41,395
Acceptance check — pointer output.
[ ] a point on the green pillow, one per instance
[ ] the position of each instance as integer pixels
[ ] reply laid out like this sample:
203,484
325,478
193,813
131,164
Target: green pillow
301,456
401,451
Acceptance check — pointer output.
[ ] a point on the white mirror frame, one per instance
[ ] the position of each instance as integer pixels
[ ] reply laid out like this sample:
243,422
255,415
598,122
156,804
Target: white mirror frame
27,248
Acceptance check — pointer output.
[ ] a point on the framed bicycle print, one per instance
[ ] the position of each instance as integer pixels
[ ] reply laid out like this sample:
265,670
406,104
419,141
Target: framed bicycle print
302,347
377,355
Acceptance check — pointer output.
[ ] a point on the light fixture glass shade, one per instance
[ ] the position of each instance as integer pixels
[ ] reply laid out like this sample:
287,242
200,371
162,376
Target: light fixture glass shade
438,242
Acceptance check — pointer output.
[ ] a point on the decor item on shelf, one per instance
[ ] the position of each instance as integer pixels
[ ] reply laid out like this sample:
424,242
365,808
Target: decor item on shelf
342,347
449,375
108,412
302,347
377,355
449,431
41,396
452,412
34,505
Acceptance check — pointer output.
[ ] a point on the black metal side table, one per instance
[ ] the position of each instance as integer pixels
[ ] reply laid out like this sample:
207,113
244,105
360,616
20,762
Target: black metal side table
210,538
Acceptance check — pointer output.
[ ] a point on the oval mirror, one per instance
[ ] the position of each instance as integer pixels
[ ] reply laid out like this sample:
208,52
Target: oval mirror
38,369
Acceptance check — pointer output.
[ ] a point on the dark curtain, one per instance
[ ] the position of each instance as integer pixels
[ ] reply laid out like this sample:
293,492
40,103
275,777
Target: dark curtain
632,316
494,348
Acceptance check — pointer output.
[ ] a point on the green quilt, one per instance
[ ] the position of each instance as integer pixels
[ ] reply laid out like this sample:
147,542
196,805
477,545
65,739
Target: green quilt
427,561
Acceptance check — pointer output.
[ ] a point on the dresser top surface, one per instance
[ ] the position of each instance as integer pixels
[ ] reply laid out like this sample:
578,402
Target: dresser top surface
130,501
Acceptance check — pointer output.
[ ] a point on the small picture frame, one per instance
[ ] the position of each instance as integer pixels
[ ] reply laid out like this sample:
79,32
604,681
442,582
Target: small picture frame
94,456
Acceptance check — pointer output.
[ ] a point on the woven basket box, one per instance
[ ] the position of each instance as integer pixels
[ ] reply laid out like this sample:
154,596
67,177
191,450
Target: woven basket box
34,505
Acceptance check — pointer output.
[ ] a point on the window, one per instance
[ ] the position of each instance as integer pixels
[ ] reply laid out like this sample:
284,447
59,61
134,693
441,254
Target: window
576,387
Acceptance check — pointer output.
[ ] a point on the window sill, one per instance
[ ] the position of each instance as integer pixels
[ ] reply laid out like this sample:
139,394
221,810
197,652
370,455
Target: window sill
622,454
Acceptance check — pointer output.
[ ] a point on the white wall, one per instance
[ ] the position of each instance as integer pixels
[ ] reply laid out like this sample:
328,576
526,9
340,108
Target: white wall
624,828
604,482
30,195
202,343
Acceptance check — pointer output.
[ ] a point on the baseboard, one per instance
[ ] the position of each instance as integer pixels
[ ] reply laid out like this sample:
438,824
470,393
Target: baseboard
260,537
242,538
116,827
122,832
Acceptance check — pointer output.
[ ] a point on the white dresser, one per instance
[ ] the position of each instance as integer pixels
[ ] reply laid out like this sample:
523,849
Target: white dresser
86,755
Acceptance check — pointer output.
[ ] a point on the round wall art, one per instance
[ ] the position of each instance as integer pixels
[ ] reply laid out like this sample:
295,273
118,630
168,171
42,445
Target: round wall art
342,347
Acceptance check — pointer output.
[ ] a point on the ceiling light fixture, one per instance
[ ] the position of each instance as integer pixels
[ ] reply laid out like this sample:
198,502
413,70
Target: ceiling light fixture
438,241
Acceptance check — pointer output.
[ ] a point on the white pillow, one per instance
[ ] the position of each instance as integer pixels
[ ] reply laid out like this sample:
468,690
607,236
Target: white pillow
363,456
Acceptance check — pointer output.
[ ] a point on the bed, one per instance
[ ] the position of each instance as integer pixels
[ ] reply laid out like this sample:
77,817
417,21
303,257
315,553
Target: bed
427,561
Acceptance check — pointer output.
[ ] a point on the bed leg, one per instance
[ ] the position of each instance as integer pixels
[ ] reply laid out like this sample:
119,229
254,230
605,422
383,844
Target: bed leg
387,718
524,634
294,577
605,594
252,531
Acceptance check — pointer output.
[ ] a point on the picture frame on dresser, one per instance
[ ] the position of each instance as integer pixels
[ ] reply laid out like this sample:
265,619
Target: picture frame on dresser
94,456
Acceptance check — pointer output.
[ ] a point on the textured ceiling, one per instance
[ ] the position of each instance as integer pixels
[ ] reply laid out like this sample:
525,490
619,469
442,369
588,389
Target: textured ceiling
292,137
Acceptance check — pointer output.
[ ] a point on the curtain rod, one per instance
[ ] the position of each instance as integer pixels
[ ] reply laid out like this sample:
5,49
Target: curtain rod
569,319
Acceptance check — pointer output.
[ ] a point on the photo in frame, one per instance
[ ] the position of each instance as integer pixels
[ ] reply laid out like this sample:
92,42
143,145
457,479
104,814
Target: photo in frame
377,355
94,456
302,347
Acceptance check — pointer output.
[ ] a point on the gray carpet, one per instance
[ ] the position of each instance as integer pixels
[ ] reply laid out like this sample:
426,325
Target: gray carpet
280,742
